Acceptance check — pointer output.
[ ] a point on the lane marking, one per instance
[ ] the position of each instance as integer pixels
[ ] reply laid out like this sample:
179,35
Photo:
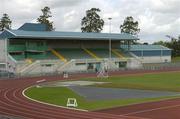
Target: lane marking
39,81
23,93
150,110
33,113
9,108
63,113
39,110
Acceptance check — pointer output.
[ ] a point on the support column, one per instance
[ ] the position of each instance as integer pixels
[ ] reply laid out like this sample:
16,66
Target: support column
128,45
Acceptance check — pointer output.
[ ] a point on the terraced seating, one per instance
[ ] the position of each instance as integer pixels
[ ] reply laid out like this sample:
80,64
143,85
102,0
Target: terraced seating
47,55
36,56
126,54
73,53
50,55
69,54
103,53
81,54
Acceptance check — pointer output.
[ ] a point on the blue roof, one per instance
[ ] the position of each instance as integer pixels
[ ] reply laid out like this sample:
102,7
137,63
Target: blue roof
6,34
65,35
147,47
33,27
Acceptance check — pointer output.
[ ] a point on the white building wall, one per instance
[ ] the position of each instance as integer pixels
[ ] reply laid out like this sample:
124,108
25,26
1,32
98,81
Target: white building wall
81,67
5,59
134,63
2,51
155,59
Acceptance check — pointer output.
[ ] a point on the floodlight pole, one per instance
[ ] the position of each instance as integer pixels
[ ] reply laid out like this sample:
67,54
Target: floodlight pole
110,37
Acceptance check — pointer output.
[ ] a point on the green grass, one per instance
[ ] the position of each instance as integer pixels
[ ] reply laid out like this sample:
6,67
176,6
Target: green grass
59,96
54,95
161,81
168,81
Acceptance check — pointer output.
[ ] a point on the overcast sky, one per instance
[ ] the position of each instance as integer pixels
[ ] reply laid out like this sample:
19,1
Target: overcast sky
156,18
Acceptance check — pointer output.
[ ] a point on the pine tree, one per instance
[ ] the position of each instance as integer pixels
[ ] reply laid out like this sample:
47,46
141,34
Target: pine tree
5,22
44,18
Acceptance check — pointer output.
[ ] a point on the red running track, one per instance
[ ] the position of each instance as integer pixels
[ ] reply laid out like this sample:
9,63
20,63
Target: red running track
13,103
167,109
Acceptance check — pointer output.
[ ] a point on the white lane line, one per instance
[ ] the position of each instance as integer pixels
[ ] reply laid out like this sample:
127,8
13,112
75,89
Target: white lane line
36,111
82,116
30,111
154,109
7,108
64,113
23,93
40,81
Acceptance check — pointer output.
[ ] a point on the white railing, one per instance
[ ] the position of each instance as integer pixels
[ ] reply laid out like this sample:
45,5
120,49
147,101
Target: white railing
11,58
38,65
66,66
21,65
135,56
11,63
100,60
86,60
29,67
59,66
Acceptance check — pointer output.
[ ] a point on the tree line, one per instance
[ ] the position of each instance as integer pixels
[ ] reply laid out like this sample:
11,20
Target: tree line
174,45
92,22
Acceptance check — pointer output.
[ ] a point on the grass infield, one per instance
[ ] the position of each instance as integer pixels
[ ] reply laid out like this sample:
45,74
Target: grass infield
169,81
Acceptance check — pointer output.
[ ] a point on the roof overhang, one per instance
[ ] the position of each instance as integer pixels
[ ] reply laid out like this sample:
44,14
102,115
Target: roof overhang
14,34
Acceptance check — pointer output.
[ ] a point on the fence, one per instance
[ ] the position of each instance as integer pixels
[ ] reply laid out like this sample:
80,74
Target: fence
161,66
145,67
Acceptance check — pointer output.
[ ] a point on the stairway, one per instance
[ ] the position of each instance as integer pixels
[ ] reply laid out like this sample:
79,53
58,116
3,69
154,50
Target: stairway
117,53
91,54
57,54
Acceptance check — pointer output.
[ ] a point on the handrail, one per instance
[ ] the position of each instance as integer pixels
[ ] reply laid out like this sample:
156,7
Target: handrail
12,58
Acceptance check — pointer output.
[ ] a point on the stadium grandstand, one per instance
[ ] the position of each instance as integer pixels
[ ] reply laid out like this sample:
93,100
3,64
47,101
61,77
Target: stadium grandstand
150,53
33,50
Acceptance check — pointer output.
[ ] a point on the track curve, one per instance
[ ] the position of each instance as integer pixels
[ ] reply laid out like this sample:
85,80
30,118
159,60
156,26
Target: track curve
13,103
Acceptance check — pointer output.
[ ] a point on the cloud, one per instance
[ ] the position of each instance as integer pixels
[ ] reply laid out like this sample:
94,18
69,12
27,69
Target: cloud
63,3
156,18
